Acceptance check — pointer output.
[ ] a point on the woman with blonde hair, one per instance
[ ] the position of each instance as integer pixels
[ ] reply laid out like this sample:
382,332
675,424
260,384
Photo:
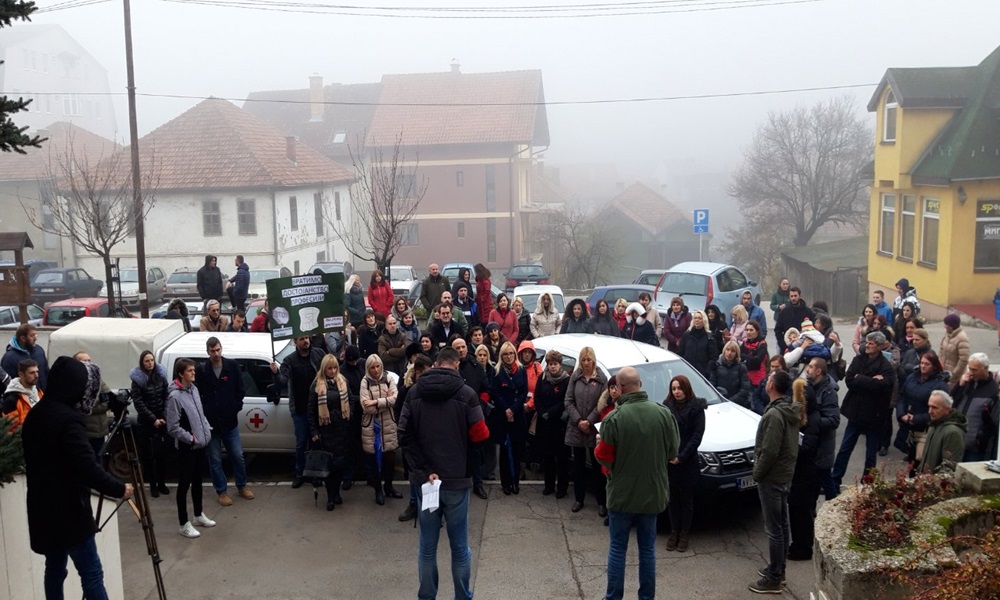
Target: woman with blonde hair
621,305
737,331
378,428
583,392
508,427
329,415
730,374
698,345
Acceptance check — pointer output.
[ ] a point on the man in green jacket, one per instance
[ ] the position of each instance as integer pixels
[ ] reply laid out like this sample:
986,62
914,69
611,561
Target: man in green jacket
945,444
775,452
638,439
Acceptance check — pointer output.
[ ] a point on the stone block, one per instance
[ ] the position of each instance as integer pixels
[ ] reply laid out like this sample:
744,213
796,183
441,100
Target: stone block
975,479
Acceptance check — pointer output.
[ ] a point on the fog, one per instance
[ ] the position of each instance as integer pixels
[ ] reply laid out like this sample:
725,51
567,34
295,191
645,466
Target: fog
197,51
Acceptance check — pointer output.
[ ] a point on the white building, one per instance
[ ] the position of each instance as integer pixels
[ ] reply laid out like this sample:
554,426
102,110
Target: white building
66,83
228,184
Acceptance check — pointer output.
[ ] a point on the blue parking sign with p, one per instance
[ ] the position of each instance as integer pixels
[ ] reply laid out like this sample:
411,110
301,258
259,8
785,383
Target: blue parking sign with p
701,220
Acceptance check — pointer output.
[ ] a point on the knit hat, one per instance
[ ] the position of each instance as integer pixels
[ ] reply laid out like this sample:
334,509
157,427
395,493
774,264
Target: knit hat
352,353
953,321
492,326
412,350
807,325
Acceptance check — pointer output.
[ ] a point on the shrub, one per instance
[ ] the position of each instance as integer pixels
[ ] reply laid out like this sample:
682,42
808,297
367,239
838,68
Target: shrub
882,510
976,576
11,452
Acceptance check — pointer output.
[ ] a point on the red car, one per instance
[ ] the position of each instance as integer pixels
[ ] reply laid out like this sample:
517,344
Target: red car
66,311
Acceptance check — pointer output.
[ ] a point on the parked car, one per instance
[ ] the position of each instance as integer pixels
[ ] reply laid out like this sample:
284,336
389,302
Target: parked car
726,453
51,285
10,315
526,274
333,267
156,283
403,279
451,270
611,293
34,267
66,311
704,283
529,295
259,277
649,276
183,284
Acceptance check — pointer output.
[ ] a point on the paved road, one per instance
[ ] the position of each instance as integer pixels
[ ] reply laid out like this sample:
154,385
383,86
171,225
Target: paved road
528,546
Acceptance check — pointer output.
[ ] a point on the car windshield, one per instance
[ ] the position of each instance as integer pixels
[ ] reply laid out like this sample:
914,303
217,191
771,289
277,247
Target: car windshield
128,276
656,380
530,301
184,277
526,271
452,272
262,275
400,274
64,315
684,283
50,277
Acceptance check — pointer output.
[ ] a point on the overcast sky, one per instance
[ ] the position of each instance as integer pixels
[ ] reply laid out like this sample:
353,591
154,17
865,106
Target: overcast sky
193,50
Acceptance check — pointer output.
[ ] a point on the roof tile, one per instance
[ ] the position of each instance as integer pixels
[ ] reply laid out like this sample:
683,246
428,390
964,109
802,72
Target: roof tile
649,210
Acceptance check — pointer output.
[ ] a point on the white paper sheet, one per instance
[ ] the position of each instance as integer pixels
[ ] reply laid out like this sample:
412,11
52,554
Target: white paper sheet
430,492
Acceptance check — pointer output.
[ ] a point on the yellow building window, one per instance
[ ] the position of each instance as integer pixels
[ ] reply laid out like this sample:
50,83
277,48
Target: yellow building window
929,231
889,118
887,224
907,226
987,235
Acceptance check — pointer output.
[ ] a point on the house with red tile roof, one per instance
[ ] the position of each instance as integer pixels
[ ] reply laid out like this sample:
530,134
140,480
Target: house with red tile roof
657,234
473,137
23,177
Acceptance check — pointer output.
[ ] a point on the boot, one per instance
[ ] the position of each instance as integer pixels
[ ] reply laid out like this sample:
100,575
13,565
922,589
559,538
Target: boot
682,542
391,492
672,541
409,513
379,496
154,491
162,487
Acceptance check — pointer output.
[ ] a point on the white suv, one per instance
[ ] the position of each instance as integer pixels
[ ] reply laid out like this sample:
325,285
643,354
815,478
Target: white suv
726,453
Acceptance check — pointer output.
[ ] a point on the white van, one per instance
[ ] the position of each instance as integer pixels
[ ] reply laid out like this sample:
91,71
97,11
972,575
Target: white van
726,454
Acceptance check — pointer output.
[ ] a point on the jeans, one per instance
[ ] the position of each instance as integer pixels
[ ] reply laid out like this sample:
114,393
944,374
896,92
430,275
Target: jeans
88,565
619,527
190,468
453,506
231,439
774,505
301,423
851,434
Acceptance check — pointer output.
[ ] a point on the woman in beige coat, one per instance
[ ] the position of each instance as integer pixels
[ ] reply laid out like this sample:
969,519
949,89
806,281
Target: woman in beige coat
954,352
378,428
545,320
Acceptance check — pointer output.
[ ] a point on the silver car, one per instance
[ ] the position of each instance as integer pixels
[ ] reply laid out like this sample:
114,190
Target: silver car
702,283
10,315
156,283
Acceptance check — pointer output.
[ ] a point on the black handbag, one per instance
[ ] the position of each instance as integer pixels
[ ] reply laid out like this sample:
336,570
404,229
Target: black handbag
318,463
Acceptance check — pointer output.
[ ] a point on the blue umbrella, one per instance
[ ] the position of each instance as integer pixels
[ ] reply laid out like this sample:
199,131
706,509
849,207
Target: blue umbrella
377,422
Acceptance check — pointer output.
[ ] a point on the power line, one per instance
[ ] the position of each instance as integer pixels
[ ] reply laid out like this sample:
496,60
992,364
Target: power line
488,13
481,104
68,4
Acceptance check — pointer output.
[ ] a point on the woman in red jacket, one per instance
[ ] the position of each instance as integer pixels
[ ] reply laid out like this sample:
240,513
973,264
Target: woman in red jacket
380,295
503,316
484,293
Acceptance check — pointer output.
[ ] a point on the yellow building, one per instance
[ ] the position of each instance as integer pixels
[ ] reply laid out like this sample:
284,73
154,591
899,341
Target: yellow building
935,201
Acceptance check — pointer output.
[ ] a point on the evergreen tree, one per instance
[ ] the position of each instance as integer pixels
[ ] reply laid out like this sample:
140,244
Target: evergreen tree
11,452
12,137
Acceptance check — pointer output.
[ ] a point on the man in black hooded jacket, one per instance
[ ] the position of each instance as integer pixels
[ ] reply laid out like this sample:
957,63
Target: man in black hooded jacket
440,422
210,280
61,470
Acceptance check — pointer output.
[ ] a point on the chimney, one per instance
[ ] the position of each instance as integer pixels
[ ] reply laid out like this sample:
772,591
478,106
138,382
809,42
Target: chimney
316,99
455,66
290,149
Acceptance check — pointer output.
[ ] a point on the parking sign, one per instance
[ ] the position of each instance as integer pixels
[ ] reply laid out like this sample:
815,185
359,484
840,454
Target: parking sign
701,220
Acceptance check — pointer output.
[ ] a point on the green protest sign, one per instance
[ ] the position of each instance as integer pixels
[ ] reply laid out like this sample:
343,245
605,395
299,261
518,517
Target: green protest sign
305,305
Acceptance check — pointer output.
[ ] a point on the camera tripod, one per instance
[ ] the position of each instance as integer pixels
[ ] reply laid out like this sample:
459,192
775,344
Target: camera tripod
123,436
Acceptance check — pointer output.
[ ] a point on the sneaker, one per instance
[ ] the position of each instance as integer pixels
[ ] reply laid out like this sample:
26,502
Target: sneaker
245,493
188,531
765,586
225,500
763,573
204,521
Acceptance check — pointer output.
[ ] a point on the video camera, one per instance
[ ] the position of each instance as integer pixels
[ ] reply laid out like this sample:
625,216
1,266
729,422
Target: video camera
118,402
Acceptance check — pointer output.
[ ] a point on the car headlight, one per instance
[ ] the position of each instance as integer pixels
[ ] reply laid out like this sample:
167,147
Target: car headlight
709,463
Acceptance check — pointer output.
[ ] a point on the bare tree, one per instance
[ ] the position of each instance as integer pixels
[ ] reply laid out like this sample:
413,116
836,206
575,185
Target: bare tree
92,204
803,170
384,198
592,248
757,248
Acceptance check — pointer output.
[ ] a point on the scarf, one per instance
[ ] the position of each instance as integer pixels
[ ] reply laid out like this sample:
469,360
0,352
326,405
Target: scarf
555,379
321,403
92,390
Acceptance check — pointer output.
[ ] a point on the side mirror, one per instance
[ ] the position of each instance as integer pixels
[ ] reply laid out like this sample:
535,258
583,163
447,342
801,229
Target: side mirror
752,283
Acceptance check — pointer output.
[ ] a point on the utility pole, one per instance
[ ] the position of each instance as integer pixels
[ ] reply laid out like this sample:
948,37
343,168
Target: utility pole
140,242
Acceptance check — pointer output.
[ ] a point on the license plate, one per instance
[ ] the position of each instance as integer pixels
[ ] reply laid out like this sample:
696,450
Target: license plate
47,290
745,483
